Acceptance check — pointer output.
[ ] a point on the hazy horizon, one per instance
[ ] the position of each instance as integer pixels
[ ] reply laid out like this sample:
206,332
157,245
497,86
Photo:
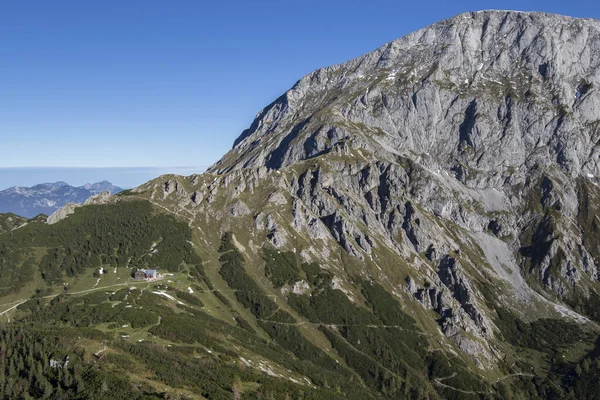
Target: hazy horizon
124,177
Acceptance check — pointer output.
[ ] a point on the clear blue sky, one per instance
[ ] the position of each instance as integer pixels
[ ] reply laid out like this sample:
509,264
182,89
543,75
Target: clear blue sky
166,83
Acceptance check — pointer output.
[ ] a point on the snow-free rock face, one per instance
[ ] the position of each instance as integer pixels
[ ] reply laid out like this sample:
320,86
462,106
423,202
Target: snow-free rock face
476,96
62,213
69,208
457,164
486,119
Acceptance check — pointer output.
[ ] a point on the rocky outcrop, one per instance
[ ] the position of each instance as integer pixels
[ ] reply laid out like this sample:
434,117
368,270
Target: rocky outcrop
8,222
452,276
451,298
173,186
100,198
103,197
69,208
62,213
239,209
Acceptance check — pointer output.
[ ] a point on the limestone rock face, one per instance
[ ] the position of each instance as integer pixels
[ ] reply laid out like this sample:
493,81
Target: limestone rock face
100,198
488,120
477,96
62,213
239,209
457,164
69,208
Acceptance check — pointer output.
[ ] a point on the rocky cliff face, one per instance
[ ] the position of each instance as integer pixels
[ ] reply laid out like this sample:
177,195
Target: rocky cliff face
457,165
479,96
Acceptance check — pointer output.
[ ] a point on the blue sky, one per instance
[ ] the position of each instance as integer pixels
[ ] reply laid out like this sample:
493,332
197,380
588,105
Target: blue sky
164,83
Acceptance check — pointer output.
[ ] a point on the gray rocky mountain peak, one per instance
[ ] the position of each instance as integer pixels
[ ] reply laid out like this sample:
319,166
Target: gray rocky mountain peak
485,91
460,159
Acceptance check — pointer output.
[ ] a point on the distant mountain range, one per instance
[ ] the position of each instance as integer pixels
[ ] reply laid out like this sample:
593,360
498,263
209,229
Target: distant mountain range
46,198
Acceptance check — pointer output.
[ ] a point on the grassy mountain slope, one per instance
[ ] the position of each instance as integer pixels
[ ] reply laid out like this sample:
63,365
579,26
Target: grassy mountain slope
8,222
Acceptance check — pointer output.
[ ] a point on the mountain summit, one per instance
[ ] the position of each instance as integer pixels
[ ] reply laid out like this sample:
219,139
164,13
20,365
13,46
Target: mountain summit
483,92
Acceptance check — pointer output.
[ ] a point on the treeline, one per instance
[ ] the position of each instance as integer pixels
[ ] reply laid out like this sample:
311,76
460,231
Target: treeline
247,291
582,380
45,364
390,360
9,221
93,309
551,338
545,335
378,340
318,366
120,235
280,267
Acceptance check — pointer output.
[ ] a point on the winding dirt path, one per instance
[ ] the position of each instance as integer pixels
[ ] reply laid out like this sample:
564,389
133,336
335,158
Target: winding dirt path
344,325
19,302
